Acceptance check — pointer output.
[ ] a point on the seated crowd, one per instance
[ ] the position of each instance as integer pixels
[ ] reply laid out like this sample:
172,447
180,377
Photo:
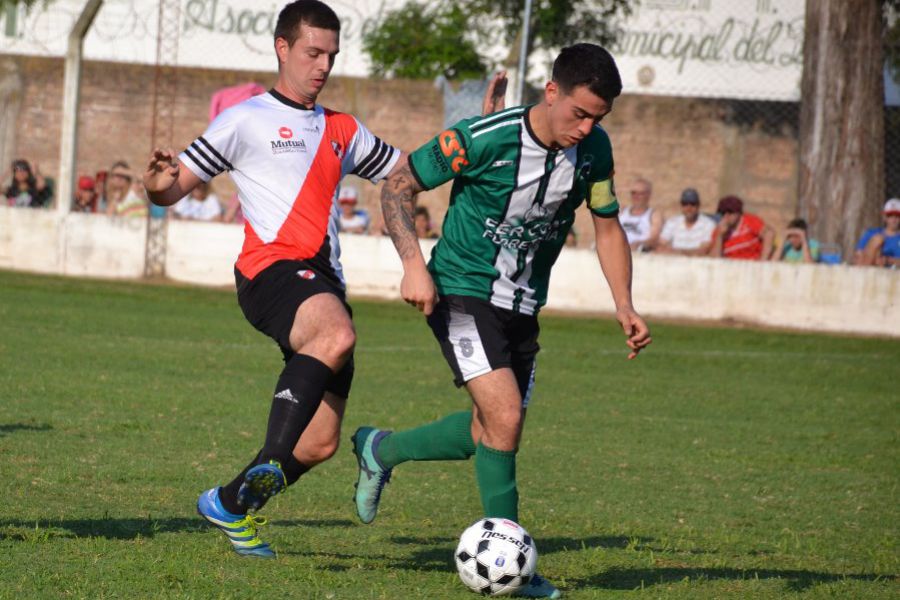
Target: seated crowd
730,232
733,233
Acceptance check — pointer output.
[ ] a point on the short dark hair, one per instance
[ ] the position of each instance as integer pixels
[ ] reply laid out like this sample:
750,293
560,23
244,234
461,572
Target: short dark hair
312,12
590,65
797,224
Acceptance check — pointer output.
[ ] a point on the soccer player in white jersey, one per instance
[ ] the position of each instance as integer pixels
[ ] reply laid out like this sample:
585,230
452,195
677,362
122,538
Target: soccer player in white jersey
286,155
518,177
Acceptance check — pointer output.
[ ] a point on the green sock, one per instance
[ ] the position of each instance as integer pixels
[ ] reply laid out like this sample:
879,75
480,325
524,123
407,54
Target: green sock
495,471
449,438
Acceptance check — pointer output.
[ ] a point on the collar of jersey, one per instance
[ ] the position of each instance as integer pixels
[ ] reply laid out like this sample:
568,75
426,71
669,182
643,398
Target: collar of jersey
527,118
287,101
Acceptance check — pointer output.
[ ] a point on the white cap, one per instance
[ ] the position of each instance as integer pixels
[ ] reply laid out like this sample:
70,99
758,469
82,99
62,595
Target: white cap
348,194
892,206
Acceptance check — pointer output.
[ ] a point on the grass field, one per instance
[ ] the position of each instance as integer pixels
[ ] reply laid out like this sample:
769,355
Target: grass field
721,464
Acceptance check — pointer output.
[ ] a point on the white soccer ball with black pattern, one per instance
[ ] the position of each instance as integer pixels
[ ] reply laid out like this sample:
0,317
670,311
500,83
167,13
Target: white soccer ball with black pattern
495,557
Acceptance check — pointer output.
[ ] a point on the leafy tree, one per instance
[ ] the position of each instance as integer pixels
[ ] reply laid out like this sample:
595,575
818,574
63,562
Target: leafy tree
419,42
554,23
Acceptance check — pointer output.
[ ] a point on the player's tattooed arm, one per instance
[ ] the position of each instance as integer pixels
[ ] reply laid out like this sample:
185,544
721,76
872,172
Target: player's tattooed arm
398,201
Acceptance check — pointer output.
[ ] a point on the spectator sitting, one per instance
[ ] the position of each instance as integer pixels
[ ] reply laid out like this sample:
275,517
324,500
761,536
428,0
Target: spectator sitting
641,223
880,246
199,205
689,233
423,224
740,235
352,219
797,247
28,188
120,196
85,199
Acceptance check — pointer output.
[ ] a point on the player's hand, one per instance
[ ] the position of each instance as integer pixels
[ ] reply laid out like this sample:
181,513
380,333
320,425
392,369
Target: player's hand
417,289
495,95
162,171
636,329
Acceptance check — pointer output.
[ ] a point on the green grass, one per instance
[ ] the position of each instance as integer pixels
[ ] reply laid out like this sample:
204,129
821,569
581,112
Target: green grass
721,464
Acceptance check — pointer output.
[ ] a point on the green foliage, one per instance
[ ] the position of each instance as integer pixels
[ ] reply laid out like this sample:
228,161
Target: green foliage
892,37
720,464
422,42
554,23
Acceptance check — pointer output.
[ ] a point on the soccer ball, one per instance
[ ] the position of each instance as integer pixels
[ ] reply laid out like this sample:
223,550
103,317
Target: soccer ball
495,557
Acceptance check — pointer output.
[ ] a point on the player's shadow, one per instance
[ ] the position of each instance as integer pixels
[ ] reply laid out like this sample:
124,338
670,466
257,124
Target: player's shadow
630,579
127,528
8,428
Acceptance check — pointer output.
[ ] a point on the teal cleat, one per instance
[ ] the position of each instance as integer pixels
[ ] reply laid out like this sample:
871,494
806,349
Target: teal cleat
240,529
372,474
261,483
538,587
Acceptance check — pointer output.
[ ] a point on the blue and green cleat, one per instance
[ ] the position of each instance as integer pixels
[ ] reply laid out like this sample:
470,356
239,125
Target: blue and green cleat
261,483
372,474
240,529
538,587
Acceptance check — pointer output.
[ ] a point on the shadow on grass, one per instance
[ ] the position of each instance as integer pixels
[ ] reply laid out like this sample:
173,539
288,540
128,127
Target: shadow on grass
630,579
127,529
14,427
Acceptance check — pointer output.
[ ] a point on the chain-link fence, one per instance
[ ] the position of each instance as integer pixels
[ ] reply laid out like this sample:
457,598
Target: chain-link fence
711,95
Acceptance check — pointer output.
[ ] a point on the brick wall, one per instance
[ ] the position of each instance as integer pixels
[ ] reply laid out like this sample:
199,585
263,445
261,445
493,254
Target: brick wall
674,142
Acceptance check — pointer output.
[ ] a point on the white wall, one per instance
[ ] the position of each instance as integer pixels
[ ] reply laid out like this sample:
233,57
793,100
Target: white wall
813,297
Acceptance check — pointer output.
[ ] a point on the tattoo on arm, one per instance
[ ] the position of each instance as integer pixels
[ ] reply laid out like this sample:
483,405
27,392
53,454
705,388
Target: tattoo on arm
398,201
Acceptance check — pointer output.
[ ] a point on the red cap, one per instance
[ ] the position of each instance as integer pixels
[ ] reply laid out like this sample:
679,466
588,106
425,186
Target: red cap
86,182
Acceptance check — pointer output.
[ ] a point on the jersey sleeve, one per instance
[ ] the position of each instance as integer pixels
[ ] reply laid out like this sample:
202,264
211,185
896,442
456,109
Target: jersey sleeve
368,156
215,150
445,156
601,190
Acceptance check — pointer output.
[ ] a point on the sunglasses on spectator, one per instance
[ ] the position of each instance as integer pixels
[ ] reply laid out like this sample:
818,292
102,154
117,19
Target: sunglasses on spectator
125,176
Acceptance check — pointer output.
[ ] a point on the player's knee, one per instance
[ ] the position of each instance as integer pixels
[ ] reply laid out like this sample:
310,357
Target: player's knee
336,344
503,428
343,342
317,451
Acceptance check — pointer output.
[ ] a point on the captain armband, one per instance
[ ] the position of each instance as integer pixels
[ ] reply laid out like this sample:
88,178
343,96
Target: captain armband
602,198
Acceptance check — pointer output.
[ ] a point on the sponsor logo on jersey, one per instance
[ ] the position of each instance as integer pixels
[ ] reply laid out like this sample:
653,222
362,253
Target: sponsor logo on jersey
306,274
285,133
453,150
524,234
501,163
282,146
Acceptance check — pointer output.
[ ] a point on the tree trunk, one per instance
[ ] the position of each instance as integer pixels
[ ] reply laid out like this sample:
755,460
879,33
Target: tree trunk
842,119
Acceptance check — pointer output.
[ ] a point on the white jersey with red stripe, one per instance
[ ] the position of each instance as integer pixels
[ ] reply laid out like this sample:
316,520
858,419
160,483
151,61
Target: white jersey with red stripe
287,162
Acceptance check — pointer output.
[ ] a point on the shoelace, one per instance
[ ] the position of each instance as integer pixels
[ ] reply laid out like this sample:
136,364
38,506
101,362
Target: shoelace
251,522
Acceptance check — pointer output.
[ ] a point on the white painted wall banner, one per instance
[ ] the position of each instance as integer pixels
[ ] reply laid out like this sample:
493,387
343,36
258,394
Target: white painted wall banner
751,49
747,49
217,34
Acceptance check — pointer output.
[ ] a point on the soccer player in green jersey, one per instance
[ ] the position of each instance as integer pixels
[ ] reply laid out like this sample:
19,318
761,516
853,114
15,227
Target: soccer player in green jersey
518,177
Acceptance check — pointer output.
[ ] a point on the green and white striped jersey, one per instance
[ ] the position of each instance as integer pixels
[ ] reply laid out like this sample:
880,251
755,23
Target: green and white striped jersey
512,204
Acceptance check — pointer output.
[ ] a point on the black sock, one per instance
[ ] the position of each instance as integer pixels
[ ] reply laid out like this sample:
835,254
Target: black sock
297,397
293,469
228,493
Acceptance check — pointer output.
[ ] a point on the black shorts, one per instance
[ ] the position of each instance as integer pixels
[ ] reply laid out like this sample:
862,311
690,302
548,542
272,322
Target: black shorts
271,299
477,337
